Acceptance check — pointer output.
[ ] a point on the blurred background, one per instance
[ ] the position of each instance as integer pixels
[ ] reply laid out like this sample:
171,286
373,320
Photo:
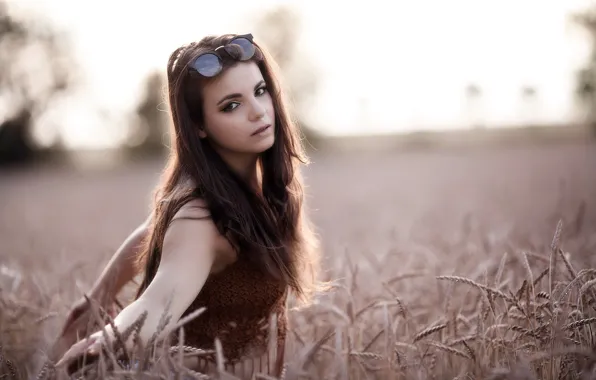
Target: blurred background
442,133
88,76
414,90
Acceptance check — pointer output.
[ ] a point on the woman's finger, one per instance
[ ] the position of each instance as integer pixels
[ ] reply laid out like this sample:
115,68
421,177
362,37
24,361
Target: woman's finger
76,350
94,349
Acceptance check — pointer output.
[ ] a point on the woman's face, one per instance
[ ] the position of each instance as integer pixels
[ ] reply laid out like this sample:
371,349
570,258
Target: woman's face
238,111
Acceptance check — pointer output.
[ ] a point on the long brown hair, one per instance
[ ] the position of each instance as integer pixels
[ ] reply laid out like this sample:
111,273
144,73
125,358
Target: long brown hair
271,230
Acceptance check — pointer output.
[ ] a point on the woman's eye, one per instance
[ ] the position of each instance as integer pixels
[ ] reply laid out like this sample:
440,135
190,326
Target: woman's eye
230,107
261,91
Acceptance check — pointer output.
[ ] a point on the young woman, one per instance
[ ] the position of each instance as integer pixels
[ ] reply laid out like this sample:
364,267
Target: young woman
228,230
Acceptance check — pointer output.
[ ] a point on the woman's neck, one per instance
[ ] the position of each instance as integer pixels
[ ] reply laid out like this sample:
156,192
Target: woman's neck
245,166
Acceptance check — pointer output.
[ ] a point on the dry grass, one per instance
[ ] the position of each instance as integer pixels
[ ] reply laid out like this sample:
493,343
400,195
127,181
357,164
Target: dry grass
490,283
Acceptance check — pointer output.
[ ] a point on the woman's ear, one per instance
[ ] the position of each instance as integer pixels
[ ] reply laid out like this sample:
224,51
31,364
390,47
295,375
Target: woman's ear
202,130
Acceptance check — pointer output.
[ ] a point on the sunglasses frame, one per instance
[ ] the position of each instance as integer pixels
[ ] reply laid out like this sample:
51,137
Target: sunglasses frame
216,53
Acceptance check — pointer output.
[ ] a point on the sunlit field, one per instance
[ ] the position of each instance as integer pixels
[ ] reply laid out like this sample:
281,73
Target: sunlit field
454,263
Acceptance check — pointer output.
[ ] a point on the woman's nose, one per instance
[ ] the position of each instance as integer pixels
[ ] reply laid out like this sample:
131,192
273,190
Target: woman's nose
258,111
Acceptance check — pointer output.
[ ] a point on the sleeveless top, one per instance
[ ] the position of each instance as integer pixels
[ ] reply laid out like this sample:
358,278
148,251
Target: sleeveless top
239,302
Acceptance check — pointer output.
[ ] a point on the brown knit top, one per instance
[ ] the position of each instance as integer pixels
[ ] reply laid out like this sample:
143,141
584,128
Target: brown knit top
239,302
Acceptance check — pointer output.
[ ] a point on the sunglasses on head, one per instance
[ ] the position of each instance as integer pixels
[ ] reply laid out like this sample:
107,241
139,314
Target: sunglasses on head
210,64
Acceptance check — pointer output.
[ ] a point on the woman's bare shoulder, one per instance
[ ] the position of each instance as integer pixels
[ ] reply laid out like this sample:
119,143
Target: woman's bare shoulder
197,213
193,209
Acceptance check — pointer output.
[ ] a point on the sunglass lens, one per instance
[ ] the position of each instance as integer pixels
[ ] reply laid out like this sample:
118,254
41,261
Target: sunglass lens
207,65
248,49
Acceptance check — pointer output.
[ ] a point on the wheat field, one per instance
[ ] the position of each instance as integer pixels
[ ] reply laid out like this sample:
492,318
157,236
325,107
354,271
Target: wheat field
448,264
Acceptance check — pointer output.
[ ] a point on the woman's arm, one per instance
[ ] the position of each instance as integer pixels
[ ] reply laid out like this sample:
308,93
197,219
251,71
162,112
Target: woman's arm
120,269
187,257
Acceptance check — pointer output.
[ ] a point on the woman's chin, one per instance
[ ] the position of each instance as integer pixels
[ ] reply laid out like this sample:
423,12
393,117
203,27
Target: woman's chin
264,144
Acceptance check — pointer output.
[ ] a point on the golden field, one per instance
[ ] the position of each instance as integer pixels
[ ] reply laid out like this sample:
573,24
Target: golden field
450,263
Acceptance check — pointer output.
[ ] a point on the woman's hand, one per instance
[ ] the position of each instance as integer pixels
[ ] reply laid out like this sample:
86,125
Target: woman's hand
89,347
79,321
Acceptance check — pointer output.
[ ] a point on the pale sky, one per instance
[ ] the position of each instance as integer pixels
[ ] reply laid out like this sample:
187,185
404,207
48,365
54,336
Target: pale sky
409,61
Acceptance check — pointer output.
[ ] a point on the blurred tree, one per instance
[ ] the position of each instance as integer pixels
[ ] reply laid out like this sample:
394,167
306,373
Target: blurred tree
149,131
530,103
35,68
473,91
529,93
279,29
586,77
473,94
